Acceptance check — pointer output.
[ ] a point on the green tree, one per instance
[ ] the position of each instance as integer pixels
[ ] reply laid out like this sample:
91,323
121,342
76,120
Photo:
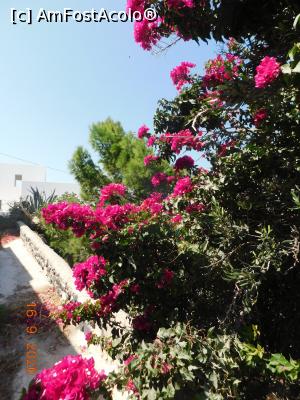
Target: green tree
121,159
87,173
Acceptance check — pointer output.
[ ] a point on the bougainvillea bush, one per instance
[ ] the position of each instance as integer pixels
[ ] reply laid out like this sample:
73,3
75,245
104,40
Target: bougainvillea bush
208,273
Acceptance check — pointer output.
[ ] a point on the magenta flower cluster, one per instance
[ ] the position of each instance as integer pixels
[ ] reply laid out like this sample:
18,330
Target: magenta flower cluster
259,116
68,215
135,5
150,159
153,203
182,139
176,219
108,301
113,217
158,178
180,75
88,336
71,378
195,207
266,72
183,186
222,69
177,4
143,132
146,33
70,307
111,190
89,272
166,278
225,146
185,162
151,140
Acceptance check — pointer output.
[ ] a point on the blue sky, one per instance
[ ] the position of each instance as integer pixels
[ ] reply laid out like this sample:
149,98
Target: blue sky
58,79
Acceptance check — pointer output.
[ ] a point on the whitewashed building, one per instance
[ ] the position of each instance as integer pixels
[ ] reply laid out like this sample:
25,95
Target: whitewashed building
16,181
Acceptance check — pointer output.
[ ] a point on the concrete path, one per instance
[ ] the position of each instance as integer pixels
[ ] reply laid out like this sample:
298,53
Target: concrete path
22,282
20,274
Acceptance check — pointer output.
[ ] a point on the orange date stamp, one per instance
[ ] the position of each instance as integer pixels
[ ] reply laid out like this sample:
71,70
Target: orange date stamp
31,351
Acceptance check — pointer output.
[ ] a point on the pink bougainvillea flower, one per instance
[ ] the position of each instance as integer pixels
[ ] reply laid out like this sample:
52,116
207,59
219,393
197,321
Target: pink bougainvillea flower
151,141
135,288
135,5
130,230
88,336
183,186
177,4
108,301
146,33
153,203
114,217
181,139
196,207
111,190
176,219
166,279
259,116
128,360
266,72
132,388
166,368
71,378
89,272
221,69
224,147
180,75
141,323
185,162
149,159
171,178
158,178
143,132
70,307
68,215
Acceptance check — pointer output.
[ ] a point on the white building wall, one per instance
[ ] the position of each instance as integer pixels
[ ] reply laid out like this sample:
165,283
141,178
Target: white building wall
32,176
10,190
48,188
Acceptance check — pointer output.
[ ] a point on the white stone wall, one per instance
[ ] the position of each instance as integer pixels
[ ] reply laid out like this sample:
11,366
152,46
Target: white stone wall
55,268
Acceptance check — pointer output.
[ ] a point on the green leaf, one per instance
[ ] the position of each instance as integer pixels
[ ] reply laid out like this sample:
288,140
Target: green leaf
297,19
294,50
171,390
151,394
286,69
214,379
297,68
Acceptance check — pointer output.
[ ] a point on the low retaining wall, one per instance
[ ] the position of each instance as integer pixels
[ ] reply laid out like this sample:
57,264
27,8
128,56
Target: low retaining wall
60,275
55,267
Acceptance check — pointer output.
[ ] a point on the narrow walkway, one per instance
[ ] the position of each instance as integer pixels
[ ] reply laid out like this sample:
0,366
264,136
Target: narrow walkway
22,282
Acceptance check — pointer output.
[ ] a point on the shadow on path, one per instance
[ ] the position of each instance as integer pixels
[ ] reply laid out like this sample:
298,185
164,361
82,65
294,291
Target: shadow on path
24,287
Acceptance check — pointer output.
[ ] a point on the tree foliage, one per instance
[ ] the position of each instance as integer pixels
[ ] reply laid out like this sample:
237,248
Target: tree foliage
121,159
